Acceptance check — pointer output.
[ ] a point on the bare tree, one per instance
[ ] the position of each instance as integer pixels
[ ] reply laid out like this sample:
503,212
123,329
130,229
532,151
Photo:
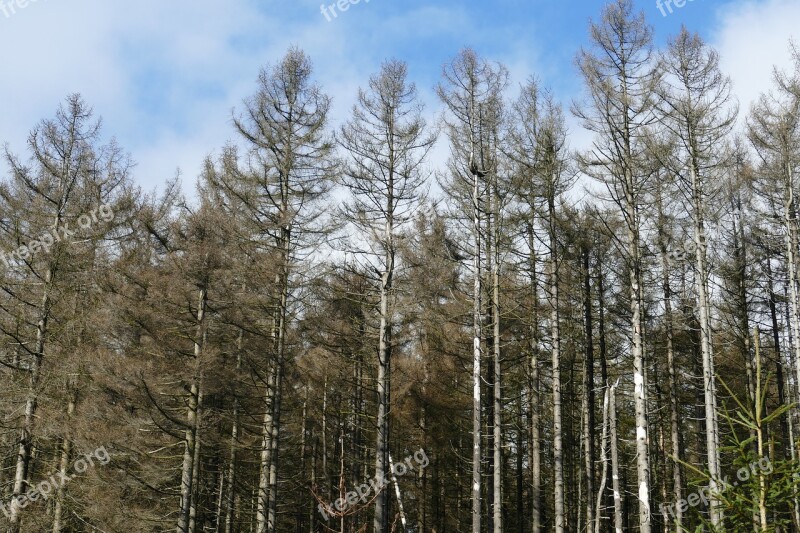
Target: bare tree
386,142
69,175
620,77
286,172
774,131
674,414
471,90
695,107
539,149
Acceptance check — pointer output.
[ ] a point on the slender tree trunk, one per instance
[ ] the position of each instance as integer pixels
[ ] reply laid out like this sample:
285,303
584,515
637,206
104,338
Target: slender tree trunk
193,420
759,412
558,447
281,357
325,475
776,341
422,475
604,461
535,395
674,415
795,497
66,450
342,475
709,378
382,459
196,467
229,501
615,481
792,362
300,518
601,345
262,494
588,390
381,522
219,515
268,477
25,448
498,399
476,360
187,477
639,375
791,247
785,419
740,255
312,510
278,396
520,498
398,494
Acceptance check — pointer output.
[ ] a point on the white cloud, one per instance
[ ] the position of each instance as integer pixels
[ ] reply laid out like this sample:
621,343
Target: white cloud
165,75
112,53
753,37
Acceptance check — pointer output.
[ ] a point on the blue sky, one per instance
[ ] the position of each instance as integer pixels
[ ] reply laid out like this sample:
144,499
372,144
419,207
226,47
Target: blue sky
165,75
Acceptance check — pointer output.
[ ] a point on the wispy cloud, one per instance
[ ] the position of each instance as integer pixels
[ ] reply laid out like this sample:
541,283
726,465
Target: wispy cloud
165,76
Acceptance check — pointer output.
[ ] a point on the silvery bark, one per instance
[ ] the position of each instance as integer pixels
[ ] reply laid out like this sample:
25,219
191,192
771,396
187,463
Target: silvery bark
191,438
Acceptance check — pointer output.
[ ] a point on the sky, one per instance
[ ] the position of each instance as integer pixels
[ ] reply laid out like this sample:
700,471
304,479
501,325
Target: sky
167,75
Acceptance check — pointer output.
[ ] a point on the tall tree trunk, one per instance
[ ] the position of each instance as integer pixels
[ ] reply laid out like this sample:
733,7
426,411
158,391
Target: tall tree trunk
588,389
759,409
776,341
674,415
66,450
476,358
262,494
792,440
303,457
740,256
520,473
601,345
312,514
596,527
193,419
558,447
382,458
25,448
219,514
706,350
615,481
791,247
498,399
422,475
268,479
196,468
381,523
229,500
534,393
398,494
639,375
281,357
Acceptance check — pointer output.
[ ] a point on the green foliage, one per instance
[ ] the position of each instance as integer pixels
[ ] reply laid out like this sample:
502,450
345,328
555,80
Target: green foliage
740,493
759,481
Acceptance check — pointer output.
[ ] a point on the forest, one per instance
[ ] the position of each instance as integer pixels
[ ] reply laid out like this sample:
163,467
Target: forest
335,333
